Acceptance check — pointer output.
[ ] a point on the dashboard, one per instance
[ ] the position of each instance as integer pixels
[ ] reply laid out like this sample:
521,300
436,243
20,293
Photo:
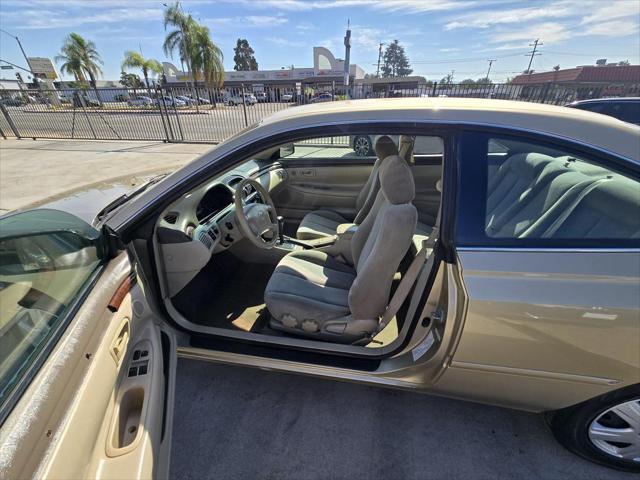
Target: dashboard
207,214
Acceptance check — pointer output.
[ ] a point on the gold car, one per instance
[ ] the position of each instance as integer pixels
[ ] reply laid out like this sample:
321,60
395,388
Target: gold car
484,250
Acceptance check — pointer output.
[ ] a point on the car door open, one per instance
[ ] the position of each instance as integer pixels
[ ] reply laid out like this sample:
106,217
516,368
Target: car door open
84,384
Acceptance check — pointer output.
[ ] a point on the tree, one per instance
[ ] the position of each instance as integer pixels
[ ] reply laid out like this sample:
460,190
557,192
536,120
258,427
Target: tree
396,63
130,80
244,58
193,44
468,81
147,65
80,57
624,63
206,57
448,80
179,40
484,81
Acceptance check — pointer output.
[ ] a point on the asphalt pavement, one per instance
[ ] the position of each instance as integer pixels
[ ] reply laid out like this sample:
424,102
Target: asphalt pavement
242,423
46,170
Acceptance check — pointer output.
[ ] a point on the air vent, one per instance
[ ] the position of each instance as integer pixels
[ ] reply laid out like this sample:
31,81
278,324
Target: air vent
171,217
204,238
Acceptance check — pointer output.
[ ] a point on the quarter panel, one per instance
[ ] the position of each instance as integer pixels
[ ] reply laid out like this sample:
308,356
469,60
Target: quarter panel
554,312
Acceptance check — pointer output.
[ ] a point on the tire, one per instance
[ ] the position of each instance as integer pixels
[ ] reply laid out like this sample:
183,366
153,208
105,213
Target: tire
580,428
362,145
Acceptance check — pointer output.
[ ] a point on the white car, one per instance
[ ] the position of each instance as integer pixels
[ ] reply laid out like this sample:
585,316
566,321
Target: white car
173,102
187,100
286,97
249,99
142,101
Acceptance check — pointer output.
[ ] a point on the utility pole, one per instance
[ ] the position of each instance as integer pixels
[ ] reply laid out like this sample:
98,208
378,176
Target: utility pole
533,53
347,54
379,57
489,71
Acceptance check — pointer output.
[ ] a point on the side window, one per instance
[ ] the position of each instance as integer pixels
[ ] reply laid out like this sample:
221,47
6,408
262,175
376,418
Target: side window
537,193
46,258
360,146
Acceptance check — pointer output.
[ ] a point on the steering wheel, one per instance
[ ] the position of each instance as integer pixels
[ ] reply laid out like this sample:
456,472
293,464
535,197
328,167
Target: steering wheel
257,221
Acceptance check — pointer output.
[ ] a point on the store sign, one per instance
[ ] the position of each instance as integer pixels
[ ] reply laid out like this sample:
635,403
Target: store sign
42,67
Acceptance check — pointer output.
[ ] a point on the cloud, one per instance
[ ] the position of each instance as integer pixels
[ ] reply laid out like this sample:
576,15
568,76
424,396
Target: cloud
549,32
613,28
264,21
488,18
305,26
602,11
406,6
34,20
283,42
448,50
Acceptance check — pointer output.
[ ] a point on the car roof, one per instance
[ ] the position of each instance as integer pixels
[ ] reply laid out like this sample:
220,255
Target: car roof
593,129
607,100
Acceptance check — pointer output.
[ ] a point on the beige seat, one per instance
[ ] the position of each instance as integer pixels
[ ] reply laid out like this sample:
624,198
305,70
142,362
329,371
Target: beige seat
314,294
324,222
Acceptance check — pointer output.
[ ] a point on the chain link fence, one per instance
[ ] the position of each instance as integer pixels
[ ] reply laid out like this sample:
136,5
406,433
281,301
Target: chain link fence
196,114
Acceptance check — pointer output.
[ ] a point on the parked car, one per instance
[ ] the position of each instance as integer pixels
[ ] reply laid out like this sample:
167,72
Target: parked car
323,97
200,100
173,101
187,100
261,97
626,109
517,246
11,102
286,97
141,101
239,99
363,145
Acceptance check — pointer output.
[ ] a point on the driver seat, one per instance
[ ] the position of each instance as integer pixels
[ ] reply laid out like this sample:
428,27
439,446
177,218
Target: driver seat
314,294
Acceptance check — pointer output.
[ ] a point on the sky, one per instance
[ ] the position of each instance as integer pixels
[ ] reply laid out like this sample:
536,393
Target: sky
439,36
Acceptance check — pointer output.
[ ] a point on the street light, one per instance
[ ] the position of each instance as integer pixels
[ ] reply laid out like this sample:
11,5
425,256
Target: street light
19,44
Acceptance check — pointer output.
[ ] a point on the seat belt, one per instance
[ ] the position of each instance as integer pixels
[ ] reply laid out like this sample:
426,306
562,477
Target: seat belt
411,275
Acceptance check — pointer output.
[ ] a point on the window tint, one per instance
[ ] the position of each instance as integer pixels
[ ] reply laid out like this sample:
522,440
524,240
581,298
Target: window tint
627,111
46,257
537,192
361,146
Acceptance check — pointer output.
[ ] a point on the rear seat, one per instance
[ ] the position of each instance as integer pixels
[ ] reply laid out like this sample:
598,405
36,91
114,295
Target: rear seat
537,196
608,208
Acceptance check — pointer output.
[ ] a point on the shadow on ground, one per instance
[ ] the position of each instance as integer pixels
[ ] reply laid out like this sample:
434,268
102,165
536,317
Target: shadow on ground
241,423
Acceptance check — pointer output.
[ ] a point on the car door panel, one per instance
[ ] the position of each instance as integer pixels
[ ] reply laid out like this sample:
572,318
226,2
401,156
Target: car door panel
521,330
312,185
71,324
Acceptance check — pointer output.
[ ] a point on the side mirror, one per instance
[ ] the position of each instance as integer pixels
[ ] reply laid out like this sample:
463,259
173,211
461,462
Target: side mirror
287,149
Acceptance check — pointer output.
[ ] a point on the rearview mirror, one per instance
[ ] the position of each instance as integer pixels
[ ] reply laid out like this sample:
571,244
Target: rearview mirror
287,149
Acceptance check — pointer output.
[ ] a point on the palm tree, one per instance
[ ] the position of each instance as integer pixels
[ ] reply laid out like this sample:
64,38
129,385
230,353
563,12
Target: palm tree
193,43
206,57
80,57
180,39
147,65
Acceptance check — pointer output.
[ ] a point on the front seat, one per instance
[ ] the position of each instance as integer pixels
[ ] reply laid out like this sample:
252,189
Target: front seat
315,295
324,222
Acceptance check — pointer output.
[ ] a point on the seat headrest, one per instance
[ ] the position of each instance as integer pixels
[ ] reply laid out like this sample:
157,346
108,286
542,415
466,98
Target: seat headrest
385,147
396,180
405,147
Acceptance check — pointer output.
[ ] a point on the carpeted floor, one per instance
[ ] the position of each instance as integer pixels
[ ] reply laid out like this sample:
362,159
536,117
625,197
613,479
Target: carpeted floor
227,294
242,423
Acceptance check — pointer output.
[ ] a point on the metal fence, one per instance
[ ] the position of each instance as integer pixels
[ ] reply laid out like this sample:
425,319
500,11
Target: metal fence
186,114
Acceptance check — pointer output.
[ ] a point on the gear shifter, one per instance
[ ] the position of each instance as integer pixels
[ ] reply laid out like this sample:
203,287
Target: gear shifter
280,229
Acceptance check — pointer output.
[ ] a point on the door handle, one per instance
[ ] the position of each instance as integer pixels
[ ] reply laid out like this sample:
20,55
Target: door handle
120,342
307,172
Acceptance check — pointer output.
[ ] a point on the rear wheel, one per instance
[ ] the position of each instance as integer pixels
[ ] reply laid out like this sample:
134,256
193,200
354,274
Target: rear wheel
362,145
605,430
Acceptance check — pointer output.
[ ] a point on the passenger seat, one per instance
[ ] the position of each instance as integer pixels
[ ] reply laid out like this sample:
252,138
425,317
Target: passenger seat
324,222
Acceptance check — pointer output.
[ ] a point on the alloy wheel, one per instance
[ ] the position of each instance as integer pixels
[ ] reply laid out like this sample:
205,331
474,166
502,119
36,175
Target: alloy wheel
362,146
616,431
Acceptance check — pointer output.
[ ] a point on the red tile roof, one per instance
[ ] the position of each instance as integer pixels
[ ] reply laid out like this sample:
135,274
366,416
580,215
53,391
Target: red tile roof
606,74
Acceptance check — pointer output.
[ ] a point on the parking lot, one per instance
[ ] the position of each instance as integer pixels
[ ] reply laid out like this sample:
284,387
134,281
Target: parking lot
232,422
206,124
